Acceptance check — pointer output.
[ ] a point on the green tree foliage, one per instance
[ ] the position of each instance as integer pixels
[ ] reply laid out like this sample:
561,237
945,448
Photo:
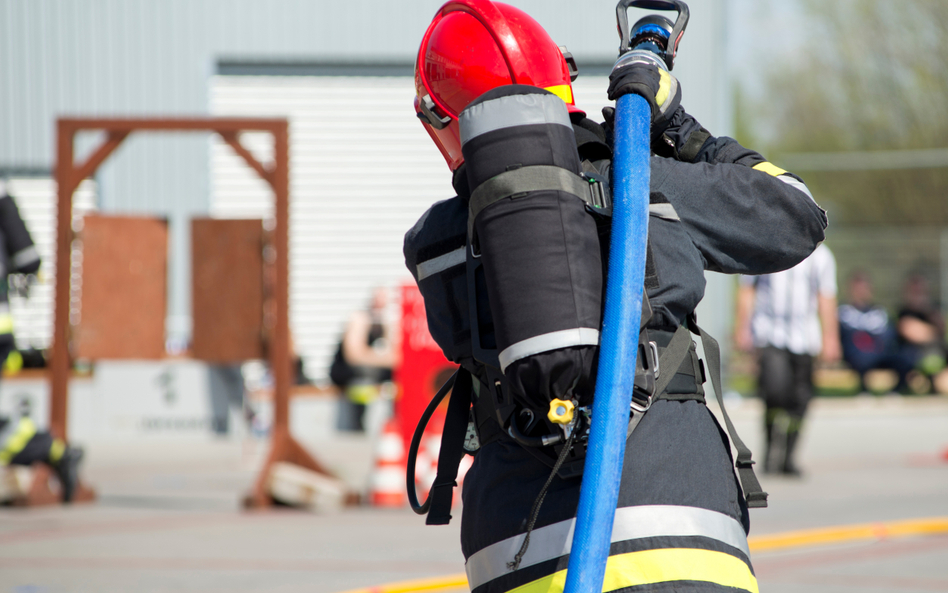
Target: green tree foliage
870,75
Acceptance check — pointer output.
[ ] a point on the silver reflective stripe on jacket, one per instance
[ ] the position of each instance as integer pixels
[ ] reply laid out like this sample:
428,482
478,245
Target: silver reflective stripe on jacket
25,257
663,210
510,111
554,541
580,336
441,263
793,182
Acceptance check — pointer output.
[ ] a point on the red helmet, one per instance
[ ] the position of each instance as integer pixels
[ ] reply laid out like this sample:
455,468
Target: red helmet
473,46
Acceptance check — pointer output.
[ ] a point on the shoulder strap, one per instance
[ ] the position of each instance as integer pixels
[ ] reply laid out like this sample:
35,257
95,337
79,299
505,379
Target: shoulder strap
452,450
753,493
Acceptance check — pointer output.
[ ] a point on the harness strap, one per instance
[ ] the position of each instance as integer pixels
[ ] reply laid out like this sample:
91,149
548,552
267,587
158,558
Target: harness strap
528,179
671,359
753,493
452,450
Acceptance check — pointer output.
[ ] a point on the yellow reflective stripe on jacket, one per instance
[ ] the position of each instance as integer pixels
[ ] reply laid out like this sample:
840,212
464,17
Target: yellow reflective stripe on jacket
630,523
664,88
57,450
660,566
769,168
18,440
6,323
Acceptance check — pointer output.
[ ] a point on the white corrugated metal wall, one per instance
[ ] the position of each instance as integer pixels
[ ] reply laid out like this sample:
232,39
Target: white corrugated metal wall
363,171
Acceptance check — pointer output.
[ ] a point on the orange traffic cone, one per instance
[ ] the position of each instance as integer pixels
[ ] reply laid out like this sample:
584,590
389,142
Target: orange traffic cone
387,485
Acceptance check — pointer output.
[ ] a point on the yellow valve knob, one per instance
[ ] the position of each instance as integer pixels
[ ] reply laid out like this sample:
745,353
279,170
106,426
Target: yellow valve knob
561,411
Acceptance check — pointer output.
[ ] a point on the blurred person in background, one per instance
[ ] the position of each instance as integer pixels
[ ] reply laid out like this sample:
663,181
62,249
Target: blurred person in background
867,336
364,361
790,317
21,443
921,332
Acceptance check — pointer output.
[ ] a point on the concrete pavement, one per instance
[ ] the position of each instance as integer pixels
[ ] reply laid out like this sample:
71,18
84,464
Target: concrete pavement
168,516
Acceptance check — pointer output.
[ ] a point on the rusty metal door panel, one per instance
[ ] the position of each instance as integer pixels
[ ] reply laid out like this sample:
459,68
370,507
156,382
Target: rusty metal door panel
124,288
227,284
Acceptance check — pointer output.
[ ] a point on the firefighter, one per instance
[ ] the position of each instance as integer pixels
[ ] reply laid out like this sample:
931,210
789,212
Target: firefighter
21,442
682,517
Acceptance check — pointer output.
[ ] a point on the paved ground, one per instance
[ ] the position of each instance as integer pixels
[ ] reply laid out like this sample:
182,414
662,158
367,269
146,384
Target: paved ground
168,517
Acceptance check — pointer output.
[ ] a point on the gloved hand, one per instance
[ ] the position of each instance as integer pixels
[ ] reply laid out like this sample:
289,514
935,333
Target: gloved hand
653,84
683,139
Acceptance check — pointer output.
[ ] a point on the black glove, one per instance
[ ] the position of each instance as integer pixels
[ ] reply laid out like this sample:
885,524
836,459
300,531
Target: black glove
683,139
656,86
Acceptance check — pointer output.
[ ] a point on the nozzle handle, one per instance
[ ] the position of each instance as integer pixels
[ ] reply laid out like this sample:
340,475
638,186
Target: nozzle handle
622,18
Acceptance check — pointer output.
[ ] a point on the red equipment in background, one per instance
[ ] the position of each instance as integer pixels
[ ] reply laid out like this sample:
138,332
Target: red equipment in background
423,369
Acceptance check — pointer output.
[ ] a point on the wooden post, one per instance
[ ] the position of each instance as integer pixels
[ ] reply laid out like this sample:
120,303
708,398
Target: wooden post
68,178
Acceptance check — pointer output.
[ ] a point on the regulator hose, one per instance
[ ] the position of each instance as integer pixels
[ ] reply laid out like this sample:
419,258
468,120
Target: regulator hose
422,509
599,492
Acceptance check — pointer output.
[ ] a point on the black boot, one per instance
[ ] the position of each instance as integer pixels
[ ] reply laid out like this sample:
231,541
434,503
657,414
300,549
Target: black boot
789,467
769,417
67,470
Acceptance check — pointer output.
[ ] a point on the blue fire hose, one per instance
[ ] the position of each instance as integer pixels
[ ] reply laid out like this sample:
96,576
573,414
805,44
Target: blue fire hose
619,340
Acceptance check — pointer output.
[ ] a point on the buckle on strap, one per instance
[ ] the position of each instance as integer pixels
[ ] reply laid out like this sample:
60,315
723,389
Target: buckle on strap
597,195
643,388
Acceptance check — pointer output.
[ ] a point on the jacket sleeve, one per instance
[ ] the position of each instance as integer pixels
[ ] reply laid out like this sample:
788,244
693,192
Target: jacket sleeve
744,214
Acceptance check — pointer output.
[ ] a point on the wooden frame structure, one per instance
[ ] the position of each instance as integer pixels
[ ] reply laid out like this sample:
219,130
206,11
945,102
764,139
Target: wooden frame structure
68,177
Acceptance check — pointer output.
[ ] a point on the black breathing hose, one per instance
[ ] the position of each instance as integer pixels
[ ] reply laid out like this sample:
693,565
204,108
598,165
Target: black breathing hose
422,509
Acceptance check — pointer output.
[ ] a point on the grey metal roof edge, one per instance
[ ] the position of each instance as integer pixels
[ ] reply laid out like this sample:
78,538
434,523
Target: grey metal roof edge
302,67
28,171
240,66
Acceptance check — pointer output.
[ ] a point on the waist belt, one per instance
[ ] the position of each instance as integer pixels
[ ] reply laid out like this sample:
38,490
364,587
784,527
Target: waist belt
678,353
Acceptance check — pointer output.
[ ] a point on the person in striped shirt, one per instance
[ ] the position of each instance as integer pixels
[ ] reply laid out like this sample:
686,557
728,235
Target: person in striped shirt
790,318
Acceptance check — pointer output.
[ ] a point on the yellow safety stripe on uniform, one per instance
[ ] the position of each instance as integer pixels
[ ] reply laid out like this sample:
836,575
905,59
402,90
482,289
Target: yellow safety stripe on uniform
563,91
631,523
14,362
363,394
660,566
664,87
769,168
18,440
56,450
6,323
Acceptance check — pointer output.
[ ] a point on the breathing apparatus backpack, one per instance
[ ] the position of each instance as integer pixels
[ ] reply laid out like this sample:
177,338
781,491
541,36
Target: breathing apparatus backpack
512,276
512,273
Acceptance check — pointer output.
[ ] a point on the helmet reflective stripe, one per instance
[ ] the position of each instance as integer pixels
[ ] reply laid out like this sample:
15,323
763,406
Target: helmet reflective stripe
563,91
